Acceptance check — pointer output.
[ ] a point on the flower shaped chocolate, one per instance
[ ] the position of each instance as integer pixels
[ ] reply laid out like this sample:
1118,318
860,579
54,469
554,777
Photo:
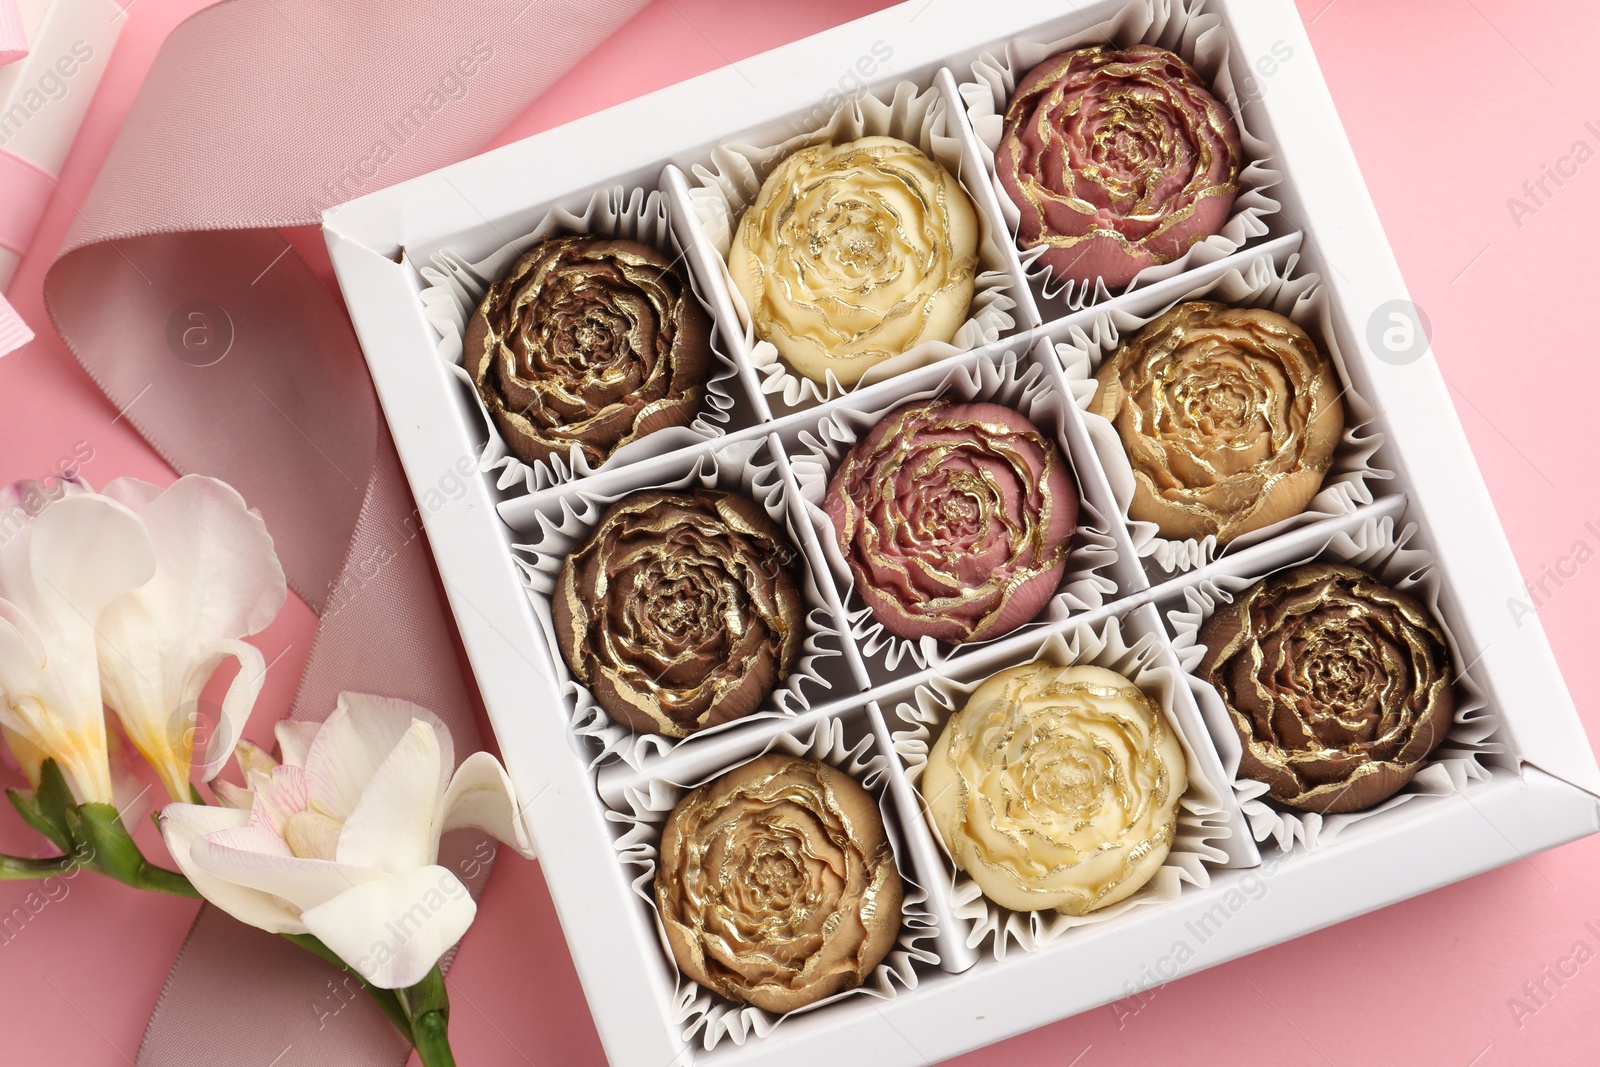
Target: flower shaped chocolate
955,520
681,610
1117,160
855,253
588,341
1056,787
1338,685
776,884
1230,418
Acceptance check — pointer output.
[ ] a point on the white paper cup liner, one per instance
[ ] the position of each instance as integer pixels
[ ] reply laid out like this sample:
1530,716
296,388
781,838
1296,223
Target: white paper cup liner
1201,40
1375,547
707,1017
722,191
1351,480
457,286
1202,822
1014,381
563,524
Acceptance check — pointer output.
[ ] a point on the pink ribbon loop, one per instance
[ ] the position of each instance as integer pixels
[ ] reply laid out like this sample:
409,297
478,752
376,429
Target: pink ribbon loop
241,127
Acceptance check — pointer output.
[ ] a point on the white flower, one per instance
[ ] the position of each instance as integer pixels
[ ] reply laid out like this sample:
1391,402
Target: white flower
216,580
341,840
57,571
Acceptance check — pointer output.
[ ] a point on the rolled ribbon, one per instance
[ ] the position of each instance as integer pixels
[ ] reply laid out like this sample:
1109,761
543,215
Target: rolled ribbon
27,190
175,290
13,41
14,333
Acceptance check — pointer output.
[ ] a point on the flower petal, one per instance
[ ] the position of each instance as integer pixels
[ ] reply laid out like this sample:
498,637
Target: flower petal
232,796
276,796
87,551
46,707
393,930
294,740
184,824
133,492
237,703
304,883
392,826
218,571
481,796
354,742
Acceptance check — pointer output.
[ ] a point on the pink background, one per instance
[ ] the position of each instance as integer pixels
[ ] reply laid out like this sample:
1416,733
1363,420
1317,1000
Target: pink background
1451,106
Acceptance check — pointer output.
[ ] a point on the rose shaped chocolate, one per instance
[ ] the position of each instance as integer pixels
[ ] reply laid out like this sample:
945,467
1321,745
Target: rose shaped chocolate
1338,685
854,253
1117,160
588,341
1230,418
680,611
1056,787
955,520
776,884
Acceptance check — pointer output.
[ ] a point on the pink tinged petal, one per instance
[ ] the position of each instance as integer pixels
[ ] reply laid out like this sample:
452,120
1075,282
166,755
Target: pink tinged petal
355,741
184,824
303,883
278,796
393,930
294,740
392,826
251,837
28,494
481,796
233,796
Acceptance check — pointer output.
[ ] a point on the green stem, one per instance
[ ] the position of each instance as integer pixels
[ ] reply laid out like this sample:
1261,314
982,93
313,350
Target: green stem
93,836
384,998
431,1037
114,854
428,1005
161,880
16,867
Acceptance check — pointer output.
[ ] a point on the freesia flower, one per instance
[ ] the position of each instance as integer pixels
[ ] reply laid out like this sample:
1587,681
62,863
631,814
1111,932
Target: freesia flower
341,839
217,580
58,569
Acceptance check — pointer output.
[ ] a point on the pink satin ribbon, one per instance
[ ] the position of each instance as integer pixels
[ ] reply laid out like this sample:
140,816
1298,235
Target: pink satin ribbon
14,333
13,42
27,190
243,126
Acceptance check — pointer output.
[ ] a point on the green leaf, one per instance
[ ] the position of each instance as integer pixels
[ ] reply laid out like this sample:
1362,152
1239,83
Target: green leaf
29,810
51,800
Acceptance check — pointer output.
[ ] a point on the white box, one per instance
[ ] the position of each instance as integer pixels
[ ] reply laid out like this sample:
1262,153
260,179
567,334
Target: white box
1539,793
